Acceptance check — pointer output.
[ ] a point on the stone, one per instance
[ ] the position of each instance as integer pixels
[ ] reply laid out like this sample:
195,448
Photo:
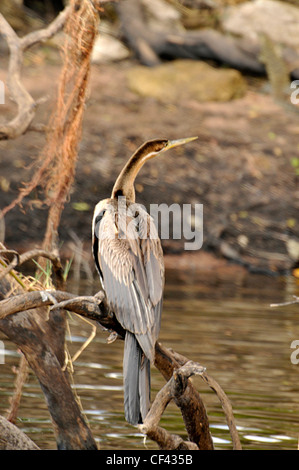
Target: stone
278,20
178,80
108,49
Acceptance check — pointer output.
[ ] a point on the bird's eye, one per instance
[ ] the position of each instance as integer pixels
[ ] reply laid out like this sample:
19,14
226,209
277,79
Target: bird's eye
119,193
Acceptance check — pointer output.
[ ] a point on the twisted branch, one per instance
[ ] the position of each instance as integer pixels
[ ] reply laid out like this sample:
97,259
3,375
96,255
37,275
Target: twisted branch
18,311
178,387
17,46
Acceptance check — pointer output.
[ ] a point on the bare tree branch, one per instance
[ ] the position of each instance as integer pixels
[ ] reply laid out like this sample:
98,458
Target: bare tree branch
225,403
290,302
27,256
21,377
13,438
173,389
18,321
25,103
43,34
190,403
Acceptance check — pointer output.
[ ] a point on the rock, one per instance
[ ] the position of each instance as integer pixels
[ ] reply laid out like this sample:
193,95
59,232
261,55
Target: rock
186,79
108,49
278,20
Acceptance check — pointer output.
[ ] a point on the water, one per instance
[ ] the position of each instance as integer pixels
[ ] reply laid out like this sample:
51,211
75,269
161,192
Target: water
227,326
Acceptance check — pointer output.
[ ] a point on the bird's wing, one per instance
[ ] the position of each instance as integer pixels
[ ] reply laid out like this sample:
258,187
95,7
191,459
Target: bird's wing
132,271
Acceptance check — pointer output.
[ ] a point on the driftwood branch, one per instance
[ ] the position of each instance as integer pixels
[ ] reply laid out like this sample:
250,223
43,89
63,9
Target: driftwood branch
290,302
17,46
33,334
225,403
227,408
25,319
178,387
173,389
12,438
171,364
21,376
42,341
190,403
151,47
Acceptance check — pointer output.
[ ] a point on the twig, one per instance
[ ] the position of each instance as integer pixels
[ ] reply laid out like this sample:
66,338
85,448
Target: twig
227,408
22,374
225,403
43,34
190,403
12,264
29,255
173,389
290,302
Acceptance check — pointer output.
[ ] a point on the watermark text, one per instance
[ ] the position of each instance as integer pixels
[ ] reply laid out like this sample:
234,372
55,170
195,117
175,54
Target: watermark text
2,92
294,95
2,352
130,221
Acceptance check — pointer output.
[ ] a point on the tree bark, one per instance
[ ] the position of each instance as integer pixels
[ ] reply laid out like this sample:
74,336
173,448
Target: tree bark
12,438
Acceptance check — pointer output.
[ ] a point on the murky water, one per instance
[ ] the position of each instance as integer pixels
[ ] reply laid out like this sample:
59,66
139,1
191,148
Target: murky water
226,326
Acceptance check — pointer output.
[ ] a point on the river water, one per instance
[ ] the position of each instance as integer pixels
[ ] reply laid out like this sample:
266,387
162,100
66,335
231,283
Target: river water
226,325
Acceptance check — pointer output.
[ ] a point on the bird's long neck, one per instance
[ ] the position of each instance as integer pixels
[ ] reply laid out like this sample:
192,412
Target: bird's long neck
124,185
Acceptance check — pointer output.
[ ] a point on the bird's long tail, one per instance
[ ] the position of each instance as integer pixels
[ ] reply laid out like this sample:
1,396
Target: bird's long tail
136,369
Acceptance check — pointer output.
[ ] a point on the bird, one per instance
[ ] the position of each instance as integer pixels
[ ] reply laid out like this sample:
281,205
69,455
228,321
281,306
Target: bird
128,256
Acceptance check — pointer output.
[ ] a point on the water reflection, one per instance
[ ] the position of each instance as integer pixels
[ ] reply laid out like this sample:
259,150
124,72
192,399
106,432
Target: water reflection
225,325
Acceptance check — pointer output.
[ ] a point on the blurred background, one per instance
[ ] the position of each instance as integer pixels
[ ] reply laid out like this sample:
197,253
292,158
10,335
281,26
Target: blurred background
221,70
217,69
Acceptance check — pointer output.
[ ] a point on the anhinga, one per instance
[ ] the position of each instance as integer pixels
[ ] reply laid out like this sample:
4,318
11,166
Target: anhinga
129,259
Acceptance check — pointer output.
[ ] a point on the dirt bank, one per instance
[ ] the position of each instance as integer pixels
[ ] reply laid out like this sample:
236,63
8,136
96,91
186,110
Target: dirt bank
242,168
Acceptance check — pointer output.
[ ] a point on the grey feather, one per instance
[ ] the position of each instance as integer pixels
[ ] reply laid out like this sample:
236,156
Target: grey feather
144,387
136,381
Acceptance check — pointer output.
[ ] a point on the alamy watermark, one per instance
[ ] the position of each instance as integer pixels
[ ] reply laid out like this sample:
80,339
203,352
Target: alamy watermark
295,354
167,222
2,352
2,92
294,95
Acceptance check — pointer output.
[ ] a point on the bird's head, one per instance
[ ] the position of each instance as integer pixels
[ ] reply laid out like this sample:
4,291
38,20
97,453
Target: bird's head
124,184
154,147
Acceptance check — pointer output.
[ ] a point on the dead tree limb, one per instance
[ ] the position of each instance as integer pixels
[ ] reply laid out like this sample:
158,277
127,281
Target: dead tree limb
29,255
290,302
24,319
225,403
35,339
173,389
138,37
227,408
12,438
43,346
151,47
190,403
25,103
21,376
96,309
16,310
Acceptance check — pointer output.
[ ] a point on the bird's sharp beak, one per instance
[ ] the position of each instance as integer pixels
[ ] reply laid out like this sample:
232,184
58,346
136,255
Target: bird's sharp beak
174,143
